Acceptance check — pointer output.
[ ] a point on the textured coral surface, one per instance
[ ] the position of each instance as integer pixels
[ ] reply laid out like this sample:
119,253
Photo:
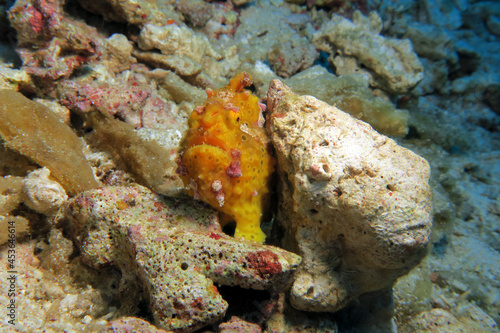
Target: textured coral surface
354,204
173,249
226,162
122,78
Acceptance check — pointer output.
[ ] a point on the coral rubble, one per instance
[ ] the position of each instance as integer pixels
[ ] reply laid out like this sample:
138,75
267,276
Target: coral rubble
51,43
260,39
96,106
391,63
175,250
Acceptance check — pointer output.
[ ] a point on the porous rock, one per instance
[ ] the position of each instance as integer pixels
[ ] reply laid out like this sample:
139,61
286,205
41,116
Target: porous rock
354,204
177,251
391,63
50,294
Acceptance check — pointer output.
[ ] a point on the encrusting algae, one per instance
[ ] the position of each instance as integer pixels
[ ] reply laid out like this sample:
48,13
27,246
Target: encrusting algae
225,161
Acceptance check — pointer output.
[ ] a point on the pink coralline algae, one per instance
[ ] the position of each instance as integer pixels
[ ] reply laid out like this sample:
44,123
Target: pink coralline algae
135,103
176,250
50,44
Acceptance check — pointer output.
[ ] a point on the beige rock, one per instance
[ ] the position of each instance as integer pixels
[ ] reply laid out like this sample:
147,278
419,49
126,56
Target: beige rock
469,318
353,96
119,51
59,110
134,12
354,204
181,65
178,90
10,225
128,324
172,39
240,2
15,79
10,193
392,64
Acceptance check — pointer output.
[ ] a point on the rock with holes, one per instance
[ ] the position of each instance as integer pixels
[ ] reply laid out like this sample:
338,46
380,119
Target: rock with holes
354,204
170,253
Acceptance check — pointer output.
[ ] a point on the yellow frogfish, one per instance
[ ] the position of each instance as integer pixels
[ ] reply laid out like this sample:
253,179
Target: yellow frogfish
225,160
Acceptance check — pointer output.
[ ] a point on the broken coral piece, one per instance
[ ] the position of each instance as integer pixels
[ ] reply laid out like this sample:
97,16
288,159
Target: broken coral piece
175,250
391,63
50,43
136,103
225,161
119,53
34,131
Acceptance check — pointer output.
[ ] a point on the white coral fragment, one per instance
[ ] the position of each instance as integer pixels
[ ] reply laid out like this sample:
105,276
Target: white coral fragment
43,194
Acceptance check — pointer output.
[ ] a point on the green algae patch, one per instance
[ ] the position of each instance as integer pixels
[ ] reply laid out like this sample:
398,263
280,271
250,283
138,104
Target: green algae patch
33,130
